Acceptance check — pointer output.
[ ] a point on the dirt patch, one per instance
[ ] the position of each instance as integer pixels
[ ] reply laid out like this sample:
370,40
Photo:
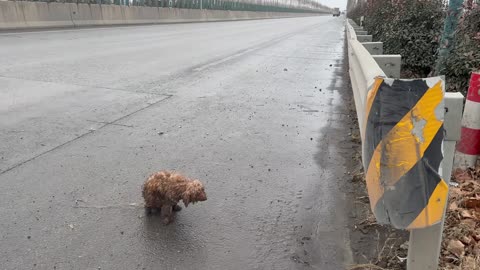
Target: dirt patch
374,246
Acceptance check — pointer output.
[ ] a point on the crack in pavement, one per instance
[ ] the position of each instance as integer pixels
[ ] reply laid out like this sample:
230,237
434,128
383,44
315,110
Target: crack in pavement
79,85
109,123
85,134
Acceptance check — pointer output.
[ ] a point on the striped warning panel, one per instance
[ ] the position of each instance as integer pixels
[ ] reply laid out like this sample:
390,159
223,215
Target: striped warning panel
402,151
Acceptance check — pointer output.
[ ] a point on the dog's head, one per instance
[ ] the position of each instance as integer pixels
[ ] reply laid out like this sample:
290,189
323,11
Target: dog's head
195,192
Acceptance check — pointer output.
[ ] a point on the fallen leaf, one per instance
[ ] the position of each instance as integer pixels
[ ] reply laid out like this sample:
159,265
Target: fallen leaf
460,175
453,206
469,263
404,246
456,247
469,223
455,190
472,203
476,250
466,214
466,240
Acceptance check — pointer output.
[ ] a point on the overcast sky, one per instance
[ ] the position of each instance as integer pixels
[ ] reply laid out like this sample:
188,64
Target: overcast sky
342,4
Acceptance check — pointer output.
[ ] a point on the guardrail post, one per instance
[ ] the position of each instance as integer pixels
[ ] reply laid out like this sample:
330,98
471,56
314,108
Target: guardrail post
364,38
424,245
390,64
374,48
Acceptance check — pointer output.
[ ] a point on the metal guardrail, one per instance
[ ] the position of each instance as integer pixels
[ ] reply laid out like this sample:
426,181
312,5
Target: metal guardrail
363,71
409,129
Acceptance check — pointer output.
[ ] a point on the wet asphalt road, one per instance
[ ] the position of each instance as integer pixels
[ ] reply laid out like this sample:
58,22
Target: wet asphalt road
254,109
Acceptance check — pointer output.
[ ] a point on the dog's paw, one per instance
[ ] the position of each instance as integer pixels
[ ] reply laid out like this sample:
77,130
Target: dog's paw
167,220
176,208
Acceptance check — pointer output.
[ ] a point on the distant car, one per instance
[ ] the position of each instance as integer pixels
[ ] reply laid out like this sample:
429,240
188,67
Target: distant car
336,12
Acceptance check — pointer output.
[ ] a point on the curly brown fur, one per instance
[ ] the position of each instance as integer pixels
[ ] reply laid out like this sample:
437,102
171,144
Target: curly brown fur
164,189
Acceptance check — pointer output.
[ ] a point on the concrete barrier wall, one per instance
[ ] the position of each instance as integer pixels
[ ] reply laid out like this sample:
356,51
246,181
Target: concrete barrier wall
11,16
113,14
22,15
82,14
135,15
43,14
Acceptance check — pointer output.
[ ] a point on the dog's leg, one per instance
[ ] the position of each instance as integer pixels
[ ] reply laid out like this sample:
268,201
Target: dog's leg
167,214
177,208
151,209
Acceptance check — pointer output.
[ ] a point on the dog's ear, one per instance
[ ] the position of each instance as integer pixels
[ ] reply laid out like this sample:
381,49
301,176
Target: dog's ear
187,195
186,198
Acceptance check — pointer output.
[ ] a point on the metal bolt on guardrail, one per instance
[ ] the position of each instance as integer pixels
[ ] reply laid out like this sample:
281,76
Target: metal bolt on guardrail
409,129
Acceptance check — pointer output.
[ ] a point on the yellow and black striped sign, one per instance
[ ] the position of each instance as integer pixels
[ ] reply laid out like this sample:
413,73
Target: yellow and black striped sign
402,151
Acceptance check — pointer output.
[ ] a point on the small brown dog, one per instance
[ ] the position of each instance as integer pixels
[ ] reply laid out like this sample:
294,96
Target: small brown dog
164,189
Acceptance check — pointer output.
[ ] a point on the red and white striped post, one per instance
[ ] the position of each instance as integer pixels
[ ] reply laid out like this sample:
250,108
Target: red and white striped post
468,148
